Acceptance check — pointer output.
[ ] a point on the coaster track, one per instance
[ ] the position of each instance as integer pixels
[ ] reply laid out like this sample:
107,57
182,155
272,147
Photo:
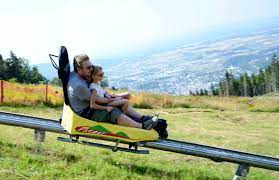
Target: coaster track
245,160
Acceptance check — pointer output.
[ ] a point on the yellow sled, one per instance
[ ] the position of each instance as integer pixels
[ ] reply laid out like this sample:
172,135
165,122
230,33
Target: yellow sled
79,126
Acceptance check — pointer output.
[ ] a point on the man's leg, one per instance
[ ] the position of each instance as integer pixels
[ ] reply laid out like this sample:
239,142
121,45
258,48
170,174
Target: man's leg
124,120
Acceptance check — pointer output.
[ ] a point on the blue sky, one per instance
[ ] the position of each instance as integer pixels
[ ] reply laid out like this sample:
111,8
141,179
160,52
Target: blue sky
104,28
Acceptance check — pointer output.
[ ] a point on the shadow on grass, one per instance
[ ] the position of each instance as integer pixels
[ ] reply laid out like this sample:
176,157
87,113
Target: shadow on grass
276,110
161,173
68,157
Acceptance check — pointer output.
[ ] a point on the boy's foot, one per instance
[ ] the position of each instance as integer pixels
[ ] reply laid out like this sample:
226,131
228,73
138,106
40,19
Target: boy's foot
145,118
151,123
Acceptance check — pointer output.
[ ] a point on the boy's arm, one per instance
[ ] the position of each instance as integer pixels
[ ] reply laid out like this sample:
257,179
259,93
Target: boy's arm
93,103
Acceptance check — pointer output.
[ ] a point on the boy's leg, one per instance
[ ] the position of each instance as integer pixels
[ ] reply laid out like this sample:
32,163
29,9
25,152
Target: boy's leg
124,108
118,103
125,95
124,120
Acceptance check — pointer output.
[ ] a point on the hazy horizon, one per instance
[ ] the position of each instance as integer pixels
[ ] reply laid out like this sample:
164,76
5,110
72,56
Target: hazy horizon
105,29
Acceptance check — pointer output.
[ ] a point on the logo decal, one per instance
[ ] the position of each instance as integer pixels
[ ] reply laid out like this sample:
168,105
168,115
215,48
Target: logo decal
100,130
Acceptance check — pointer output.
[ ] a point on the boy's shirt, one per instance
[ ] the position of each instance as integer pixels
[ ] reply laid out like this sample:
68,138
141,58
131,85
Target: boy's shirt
98,88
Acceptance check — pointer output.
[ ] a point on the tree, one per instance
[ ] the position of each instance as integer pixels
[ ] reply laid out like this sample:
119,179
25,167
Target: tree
13,66
36,77
255,84
25,74
265,81
261,82
197,93
214,90
245,84
205,92
56,81
229,83
222,88
17,69
3,68
201,92
274,73
267,78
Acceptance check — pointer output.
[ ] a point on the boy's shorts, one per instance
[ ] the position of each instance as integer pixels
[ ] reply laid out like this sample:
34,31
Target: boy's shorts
101,115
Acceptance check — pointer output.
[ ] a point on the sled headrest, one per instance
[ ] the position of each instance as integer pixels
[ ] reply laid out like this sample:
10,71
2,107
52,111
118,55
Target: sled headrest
64,71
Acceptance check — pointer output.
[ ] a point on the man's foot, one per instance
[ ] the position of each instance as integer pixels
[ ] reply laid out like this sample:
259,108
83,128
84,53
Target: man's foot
151,123
164,134
161,128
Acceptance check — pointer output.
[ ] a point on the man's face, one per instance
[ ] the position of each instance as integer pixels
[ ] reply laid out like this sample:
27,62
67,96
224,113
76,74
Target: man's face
85,70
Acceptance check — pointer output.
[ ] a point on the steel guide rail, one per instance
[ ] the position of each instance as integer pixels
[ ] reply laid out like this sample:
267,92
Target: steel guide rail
217,154
31,122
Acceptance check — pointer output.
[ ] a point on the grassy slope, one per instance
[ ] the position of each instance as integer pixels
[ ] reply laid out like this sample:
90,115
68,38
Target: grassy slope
233,126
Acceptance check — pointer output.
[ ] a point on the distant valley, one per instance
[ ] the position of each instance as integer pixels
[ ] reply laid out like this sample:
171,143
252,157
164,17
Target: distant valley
194,65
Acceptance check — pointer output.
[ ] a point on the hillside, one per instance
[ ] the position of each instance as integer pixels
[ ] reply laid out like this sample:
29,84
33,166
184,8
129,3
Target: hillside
221,122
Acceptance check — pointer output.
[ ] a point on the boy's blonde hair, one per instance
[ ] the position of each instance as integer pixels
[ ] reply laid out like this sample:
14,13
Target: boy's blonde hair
79,59
96,69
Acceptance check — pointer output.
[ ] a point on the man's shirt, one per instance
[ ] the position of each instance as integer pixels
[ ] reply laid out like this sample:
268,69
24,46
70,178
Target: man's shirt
78,92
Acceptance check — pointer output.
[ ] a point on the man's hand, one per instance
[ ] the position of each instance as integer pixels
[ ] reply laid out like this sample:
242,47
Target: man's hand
109,108
113,96
108,96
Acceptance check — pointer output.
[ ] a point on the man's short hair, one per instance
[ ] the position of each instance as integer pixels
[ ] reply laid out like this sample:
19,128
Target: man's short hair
78,60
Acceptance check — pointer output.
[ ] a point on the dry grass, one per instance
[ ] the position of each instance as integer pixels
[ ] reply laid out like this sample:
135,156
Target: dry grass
261,103
20,94
29,94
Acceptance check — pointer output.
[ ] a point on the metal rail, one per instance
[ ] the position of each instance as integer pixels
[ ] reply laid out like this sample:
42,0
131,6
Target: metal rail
217,154
31,122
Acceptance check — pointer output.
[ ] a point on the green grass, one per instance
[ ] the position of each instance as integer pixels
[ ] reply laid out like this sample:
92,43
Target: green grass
227,127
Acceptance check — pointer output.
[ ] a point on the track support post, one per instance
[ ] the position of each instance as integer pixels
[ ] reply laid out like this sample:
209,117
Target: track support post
241,172
39,137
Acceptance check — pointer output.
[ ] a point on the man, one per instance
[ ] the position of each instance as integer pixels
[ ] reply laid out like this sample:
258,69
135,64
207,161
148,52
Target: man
79,97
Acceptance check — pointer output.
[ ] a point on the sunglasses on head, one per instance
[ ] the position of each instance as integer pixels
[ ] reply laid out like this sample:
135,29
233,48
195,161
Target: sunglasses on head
89,67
